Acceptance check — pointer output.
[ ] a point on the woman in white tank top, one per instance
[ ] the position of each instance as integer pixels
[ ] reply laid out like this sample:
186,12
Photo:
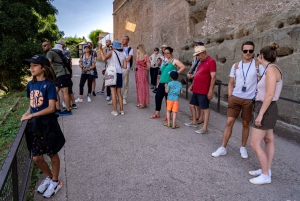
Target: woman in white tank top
265,114
117,57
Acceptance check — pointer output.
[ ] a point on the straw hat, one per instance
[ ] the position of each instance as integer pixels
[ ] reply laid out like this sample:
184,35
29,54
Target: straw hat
198,50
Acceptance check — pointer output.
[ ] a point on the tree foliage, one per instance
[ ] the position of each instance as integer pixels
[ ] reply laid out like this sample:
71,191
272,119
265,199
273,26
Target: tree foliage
94,36
71,43
23,26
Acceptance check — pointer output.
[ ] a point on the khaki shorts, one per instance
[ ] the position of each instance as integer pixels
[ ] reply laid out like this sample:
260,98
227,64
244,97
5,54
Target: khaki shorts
236,104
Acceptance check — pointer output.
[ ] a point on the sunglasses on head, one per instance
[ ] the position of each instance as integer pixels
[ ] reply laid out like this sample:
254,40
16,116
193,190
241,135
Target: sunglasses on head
246,51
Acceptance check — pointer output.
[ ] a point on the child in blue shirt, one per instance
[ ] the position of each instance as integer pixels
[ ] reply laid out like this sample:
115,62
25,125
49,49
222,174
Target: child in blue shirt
44,135
174,89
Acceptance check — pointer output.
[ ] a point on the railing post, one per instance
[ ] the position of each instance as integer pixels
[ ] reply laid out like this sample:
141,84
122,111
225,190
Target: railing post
14,168
219,96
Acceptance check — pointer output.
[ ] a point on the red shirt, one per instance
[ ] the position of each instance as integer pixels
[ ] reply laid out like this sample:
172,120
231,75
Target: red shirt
202,77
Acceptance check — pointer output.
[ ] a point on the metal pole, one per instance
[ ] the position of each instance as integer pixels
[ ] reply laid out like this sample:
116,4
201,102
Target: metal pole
219,96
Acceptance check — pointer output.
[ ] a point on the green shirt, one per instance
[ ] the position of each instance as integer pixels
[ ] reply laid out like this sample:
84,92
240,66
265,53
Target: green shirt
165,69
57,63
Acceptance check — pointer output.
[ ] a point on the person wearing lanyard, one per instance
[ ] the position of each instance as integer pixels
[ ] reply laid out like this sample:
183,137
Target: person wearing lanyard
241,90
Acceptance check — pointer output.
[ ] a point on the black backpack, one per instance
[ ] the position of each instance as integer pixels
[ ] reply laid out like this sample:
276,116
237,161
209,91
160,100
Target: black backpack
131,60
66,61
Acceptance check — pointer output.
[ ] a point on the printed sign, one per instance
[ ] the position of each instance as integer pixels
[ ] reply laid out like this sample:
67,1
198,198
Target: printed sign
130,26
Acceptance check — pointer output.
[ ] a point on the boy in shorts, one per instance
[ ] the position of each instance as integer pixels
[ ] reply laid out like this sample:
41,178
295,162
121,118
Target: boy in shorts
174,89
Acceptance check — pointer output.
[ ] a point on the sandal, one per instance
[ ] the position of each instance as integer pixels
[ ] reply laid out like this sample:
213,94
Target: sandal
196,118
166,124
141,106
165,119
154,116
200,122
176,126
138,105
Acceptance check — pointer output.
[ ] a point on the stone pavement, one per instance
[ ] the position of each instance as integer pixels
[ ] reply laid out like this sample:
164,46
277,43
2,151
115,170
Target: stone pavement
132,157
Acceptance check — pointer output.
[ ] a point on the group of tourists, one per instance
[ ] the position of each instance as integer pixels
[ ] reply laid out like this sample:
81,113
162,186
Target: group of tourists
251,81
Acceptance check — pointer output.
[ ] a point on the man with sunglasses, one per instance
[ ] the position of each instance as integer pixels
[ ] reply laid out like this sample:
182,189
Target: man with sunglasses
241,91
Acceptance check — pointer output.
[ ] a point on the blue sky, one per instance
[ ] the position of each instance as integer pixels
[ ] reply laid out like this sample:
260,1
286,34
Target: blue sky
80,17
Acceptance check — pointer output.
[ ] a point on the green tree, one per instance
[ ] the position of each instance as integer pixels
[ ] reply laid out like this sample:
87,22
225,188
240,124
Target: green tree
71,43
23,25
94,36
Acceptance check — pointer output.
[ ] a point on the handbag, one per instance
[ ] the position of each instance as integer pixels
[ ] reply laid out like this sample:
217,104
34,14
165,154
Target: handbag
110,76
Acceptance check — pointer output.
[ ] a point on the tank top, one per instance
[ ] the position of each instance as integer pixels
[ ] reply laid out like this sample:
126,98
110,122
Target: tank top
262,88
165,69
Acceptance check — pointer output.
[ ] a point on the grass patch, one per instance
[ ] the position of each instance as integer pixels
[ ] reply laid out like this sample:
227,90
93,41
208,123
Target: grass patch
35,174
11,124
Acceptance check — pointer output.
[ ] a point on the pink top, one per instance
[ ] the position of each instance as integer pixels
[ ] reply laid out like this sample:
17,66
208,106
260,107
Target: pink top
262,88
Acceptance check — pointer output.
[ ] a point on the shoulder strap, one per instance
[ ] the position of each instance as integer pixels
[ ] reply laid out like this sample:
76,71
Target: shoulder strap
118,59
128,50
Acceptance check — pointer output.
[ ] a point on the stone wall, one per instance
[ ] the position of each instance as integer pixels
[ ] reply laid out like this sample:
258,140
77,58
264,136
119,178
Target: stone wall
223,26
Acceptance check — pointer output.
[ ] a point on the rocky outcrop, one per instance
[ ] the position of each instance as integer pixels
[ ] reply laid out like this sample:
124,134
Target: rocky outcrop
223,26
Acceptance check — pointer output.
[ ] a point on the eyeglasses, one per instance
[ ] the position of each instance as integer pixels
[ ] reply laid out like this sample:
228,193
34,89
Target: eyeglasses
167,53
246,51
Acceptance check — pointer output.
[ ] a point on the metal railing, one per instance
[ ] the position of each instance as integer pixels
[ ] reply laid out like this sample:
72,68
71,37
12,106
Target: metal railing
16,170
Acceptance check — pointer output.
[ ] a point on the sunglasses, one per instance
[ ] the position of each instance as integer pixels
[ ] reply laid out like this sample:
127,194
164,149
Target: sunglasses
246,51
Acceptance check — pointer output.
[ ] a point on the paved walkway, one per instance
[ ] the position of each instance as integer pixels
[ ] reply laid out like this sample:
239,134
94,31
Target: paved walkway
132,157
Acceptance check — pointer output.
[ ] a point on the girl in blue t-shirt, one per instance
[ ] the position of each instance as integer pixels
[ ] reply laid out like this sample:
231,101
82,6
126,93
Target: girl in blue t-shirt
44,135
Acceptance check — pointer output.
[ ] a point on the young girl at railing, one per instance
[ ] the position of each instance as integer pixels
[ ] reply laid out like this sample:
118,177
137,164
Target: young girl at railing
44,135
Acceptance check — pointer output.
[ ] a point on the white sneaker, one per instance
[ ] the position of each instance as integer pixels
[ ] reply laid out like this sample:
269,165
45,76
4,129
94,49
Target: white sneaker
44,185
190,124
78,100
108,98
122,112
89,99
52,189
221,151
63,104
261,179
201,131
243,152
109,103
258,172
124,102
114,113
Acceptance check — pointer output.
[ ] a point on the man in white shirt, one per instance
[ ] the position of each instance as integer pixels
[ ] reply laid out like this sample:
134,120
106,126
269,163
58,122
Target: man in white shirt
241,90
128,52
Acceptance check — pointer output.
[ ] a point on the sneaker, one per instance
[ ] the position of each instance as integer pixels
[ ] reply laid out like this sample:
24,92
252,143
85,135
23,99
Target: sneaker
261,179
190,124
65,113
109,103
94,94
155,90
114,113
57,111
63,104
201,131
221,151
124,102
78,100
122,112
44,185
258,172
100,92
74,106
108,98
89,99
243,152
52,189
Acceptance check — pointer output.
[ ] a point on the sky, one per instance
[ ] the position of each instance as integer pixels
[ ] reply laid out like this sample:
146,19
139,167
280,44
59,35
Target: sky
80,17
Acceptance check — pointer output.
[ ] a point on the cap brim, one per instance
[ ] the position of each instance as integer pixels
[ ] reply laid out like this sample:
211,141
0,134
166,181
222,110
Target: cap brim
28,61
198,52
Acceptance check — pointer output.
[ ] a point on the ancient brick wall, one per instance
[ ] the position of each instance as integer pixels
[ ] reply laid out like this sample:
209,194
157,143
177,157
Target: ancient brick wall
223,25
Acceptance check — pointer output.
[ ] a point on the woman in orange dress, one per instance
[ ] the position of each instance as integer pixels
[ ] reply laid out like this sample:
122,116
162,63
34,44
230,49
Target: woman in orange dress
141,79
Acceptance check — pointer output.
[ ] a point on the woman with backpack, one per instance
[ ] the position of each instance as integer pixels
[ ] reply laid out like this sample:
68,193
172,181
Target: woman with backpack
117,59
87,64
141,80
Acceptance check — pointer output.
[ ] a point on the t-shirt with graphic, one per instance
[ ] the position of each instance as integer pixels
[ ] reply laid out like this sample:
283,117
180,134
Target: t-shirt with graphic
57,64
40,93
174,88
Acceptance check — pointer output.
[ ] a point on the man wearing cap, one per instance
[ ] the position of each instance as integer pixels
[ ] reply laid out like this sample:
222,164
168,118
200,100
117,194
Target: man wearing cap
204,81
241,90
128,53
62,76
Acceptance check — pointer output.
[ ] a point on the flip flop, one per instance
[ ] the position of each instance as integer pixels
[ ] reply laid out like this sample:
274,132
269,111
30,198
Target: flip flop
176,126
166,124
200,122
154,116
165,119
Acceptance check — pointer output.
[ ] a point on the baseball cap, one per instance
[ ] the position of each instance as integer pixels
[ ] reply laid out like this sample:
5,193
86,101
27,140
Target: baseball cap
37,59
174,74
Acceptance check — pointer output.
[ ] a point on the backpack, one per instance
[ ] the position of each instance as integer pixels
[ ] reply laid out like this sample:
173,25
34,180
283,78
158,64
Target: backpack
131,60
66,61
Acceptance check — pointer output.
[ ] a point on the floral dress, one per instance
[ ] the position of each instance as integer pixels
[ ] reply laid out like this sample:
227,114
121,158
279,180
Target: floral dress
141,81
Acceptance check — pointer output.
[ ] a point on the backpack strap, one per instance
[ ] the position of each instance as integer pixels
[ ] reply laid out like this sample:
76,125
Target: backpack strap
257,70
118,59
